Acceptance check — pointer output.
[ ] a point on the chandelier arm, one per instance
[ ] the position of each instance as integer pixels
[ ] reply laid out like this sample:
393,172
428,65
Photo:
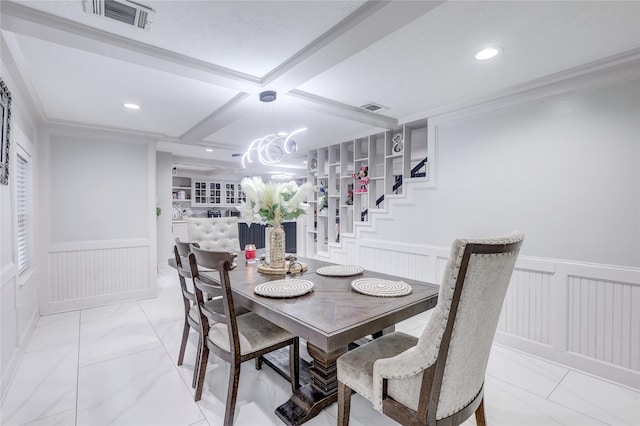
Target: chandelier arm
245,156
264,142
286,141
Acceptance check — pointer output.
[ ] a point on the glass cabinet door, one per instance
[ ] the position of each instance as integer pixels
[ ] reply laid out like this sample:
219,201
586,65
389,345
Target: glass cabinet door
199,193
230,194
215,193
241,195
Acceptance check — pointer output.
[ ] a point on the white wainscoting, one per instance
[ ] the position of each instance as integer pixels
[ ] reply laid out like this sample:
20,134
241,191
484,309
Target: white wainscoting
18,316
584,316
526,310
603,321
94,273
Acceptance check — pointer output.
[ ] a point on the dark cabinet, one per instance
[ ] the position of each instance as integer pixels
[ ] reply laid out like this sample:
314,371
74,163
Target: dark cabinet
290,236
254,234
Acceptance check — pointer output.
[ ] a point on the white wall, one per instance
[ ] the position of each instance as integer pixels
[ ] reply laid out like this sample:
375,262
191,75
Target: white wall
565,171
98,189
164,165
99,220
18,292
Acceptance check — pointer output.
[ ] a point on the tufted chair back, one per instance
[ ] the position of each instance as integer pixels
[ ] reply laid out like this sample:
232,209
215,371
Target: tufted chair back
438,379
215,233
471,294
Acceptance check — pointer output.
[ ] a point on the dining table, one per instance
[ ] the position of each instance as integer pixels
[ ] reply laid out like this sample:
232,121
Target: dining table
330,318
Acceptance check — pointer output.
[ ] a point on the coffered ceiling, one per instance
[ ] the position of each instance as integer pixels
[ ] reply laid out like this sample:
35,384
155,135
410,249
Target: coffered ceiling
197,71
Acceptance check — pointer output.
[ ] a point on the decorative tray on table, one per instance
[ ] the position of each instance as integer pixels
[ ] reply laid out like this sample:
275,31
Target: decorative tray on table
288,268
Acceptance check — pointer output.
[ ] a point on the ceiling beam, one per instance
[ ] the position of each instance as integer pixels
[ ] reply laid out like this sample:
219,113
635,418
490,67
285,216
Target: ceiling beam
331,107
217,120
365,26
368,24
37,24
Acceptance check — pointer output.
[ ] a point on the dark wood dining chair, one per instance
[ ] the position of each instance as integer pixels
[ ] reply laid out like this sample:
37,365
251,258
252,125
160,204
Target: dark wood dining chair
234,338
438,379
181,252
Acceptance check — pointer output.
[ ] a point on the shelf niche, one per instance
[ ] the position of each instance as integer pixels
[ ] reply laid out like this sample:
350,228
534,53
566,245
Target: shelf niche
389,157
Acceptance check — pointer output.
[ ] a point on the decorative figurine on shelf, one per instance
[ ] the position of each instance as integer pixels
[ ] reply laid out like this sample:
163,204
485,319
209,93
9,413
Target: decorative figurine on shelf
324,199
398,143
363,178
349,197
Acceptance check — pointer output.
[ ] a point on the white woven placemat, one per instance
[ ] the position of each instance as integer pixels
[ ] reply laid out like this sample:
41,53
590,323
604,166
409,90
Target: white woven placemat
291,287
381,288
339,270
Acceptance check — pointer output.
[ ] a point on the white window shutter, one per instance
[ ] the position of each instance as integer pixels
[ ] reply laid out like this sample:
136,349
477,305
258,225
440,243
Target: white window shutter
23,190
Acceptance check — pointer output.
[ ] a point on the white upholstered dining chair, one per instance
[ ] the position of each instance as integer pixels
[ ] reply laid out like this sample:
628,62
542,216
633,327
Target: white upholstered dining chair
438,379
214,233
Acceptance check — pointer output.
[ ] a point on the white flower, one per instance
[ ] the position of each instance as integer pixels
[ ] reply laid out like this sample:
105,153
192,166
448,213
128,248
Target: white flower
272,202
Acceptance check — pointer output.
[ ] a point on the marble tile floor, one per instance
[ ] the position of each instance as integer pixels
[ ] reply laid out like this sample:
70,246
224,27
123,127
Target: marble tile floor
116,365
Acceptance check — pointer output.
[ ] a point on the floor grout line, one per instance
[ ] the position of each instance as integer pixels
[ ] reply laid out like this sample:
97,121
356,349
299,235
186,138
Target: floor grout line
557,384
175,366
78,366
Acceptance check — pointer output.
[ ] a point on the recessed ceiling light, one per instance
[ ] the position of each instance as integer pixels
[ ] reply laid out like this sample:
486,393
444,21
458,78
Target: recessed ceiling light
282,133
209,150
132,106
304,162
487,53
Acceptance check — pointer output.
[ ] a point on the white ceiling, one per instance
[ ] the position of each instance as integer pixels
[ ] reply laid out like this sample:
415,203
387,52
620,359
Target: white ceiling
199,68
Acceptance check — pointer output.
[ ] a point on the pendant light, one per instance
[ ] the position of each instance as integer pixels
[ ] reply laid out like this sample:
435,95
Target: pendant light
272,148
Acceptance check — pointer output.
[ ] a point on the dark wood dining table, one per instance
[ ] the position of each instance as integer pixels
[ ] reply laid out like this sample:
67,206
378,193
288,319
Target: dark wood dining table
329,319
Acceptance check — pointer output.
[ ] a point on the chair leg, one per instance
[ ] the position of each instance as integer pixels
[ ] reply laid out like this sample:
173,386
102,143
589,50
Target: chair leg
480,418
183,344
294,364
258,362
202,370
232,392
344,404
196,366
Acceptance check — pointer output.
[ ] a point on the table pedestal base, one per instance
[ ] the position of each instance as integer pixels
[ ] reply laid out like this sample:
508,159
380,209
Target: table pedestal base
310,399
304,404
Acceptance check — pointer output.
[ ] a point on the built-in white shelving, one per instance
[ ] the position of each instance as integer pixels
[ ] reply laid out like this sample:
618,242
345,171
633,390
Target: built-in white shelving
387,157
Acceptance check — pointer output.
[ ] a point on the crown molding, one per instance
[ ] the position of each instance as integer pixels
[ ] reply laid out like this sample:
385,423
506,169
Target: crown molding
16,66
614,69
348,112
102,132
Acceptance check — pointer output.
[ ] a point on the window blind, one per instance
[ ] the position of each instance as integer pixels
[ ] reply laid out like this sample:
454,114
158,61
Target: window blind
22,206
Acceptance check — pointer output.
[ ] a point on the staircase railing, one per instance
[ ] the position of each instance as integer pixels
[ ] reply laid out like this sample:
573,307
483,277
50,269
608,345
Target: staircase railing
415,173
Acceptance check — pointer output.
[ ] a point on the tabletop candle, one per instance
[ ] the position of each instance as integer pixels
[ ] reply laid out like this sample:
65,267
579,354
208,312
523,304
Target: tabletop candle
250,253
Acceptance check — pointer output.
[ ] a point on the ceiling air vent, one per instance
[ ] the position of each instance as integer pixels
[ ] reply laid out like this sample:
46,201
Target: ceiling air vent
124,11
373,107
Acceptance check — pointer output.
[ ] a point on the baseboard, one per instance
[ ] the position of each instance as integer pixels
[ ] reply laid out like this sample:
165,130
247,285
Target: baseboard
12,367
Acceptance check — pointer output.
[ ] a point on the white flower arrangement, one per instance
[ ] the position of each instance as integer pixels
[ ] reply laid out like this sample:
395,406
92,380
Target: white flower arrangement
271,203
